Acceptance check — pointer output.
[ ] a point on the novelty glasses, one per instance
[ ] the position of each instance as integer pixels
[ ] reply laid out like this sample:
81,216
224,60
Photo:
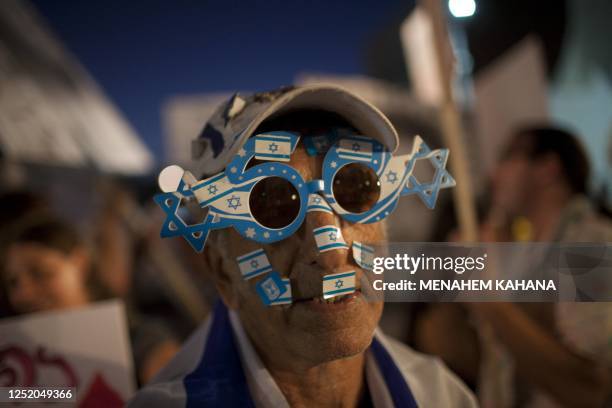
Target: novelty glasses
266,200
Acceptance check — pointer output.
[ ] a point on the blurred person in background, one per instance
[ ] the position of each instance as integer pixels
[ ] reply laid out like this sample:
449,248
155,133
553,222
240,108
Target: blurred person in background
533,354
310,352
45,265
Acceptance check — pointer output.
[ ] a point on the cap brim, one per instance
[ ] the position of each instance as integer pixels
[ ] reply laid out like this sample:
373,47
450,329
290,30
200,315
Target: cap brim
362,115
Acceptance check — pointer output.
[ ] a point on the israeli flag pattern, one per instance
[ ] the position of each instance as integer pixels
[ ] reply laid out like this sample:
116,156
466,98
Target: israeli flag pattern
357,148
338,284
363,255
273,146
329,237
285,298
271,288
318,203
212,189
254,264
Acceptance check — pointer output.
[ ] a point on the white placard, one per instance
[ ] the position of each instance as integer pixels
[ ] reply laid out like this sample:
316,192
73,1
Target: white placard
86,348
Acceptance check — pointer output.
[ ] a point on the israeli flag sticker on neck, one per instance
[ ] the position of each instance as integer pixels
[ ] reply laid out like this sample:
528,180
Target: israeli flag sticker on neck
329,237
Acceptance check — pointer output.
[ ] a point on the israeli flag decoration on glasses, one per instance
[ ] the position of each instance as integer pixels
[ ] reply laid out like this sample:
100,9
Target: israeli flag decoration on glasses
226,195
394,173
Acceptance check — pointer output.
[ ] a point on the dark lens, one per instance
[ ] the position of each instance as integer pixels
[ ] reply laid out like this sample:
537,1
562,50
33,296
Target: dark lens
356,188
274,202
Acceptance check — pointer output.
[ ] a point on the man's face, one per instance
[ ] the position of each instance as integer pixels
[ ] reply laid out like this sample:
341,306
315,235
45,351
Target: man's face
309,329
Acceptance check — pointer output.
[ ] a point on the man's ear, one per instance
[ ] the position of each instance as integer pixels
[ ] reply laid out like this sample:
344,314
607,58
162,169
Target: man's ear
215,270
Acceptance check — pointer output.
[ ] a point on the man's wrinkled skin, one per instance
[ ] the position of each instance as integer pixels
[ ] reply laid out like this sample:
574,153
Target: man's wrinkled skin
314,357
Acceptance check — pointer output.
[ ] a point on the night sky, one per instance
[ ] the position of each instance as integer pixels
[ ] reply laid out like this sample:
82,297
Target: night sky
142,53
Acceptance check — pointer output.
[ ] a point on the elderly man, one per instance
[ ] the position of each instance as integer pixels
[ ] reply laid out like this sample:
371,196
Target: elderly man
288,200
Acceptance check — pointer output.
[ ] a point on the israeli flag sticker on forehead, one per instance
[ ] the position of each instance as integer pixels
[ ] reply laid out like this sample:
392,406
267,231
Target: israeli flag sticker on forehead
253,264
355,148
285,298
329,237
318,203
338,284
363,255
274,146
271,288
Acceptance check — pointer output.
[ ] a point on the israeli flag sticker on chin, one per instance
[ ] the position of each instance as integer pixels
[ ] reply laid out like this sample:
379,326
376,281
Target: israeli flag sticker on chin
363,255
253,264
338,284
329,237
271,288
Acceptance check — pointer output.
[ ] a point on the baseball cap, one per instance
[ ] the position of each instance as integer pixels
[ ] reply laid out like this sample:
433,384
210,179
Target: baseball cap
234,121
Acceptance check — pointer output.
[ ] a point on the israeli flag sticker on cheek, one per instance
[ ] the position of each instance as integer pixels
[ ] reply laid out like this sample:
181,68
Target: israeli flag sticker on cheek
338,284
271,288
329,237
363,255
253,264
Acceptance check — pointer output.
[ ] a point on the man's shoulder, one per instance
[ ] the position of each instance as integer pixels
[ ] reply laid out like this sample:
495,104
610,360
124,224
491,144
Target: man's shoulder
431,382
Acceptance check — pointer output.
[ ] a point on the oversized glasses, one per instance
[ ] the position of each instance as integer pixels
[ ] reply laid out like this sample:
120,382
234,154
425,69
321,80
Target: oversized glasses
268,201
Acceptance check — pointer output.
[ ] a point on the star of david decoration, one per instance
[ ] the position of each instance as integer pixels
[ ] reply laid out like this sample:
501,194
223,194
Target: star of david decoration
175,226
234,202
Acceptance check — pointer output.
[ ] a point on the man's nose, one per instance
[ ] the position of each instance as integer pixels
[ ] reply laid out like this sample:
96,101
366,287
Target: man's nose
329,259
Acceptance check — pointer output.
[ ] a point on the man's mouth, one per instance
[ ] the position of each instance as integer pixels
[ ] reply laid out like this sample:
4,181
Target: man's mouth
320,301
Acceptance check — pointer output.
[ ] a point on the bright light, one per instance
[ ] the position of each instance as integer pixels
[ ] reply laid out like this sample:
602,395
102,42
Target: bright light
462,8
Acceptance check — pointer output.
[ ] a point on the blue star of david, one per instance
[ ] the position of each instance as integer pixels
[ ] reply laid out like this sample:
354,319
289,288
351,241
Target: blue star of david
317,200
391,177
356,147
332,236
234,202
254,263
174,225
273,147
212,189
339,284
